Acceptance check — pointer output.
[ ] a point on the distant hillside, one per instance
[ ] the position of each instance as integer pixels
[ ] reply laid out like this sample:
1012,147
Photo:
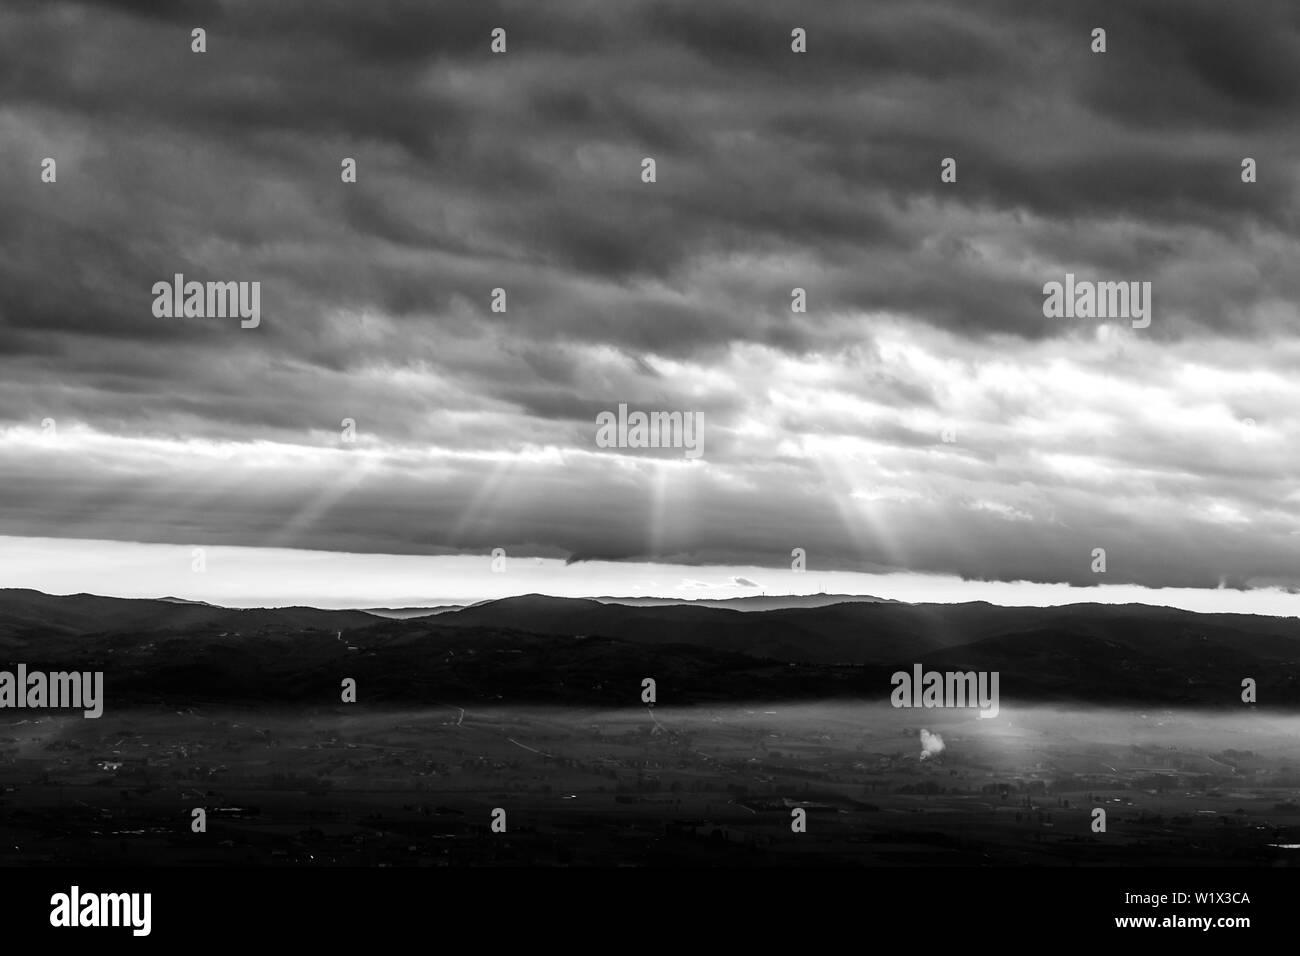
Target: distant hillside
579,652
405,613
27,615
753,602
865,632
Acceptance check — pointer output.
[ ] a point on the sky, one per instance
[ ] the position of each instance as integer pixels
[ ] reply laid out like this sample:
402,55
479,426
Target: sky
1171,447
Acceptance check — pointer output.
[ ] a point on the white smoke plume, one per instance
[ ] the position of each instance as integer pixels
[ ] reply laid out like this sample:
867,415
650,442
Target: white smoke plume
931,744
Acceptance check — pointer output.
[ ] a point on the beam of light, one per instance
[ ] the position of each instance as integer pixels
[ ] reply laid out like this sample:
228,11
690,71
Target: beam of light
484,498
320,504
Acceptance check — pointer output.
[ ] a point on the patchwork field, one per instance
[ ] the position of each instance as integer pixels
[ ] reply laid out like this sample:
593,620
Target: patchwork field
672,786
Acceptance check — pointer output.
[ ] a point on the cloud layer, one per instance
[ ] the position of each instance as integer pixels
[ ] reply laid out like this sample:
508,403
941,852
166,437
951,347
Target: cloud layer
1170,447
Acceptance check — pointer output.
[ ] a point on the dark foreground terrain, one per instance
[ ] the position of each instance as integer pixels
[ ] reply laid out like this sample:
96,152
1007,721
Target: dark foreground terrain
532,705
703,785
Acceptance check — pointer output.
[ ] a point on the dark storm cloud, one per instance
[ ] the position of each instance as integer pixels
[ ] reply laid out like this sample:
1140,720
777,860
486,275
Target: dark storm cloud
521,170
775,171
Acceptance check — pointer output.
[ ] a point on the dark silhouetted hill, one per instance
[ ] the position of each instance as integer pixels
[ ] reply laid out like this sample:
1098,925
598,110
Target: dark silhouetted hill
584,652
